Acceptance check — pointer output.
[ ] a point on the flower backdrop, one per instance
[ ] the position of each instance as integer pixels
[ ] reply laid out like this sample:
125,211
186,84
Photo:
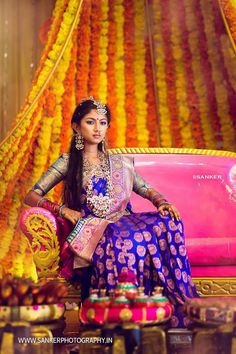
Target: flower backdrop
228,8
166,69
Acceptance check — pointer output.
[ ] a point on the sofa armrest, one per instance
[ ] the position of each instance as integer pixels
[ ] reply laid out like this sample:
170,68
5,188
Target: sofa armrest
42,228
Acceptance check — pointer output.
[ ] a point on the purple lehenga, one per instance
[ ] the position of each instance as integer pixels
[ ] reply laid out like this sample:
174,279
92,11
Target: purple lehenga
149,244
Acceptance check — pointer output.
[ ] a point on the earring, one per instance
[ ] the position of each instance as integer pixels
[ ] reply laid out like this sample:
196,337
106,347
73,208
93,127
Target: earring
103,146
79,141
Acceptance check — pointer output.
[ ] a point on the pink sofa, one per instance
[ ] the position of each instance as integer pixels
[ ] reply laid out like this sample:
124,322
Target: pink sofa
202,185
203,188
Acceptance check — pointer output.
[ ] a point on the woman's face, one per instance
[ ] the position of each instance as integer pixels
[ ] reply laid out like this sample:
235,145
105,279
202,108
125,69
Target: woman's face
93,127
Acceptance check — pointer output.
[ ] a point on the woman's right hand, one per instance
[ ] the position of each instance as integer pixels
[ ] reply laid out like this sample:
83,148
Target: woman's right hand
70,214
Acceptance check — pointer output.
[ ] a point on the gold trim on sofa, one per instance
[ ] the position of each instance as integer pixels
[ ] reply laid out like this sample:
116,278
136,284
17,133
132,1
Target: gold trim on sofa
160,150
214,286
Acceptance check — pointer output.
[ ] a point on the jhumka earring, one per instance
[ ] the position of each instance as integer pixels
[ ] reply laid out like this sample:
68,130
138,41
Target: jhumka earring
104,146
79,141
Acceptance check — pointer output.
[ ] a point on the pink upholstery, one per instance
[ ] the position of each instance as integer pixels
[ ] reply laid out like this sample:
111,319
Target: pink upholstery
61,226
203,188
37,211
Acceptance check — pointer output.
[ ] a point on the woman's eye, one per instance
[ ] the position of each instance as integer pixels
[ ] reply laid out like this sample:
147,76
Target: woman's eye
104,123
90,122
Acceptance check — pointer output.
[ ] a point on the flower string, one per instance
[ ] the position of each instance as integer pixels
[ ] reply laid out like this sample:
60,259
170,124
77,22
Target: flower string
111,83
140,78
129,56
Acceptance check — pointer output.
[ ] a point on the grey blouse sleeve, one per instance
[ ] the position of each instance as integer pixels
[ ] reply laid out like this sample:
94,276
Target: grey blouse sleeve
55,174
145,190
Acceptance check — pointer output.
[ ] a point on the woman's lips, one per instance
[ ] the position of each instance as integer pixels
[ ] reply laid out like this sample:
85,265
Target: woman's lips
96,136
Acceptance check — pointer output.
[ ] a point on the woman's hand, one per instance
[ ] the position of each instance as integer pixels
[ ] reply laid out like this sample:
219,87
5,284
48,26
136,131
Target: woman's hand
71,215
171,209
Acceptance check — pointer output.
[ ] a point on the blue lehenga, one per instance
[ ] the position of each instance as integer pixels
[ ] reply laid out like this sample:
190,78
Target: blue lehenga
150,245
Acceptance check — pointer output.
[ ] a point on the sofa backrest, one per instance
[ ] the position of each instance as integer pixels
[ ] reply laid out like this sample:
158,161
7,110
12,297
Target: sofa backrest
202,187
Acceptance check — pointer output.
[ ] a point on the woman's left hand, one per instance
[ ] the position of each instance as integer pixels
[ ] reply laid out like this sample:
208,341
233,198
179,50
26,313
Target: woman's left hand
171,209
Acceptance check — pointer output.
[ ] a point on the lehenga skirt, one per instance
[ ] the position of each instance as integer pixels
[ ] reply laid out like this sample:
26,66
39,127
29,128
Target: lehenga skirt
152,247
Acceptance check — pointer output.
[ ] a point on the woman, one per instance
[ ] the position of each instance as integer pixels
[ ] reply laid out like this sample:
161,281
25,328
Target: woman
106,233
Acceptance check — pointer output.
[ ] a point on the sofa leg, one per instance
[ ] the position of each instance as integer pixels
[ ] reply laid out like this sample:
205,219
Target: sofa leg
82,278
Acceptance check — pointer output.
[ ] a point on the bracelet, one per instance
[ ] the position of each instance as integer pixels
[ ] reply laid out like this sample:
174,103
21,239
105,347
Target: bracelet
47,204
60,210
40,201
167,203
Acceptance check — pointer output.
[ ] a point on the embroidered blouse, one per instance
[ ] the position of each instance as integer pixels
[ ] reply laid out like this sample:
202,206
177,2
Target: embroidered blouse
58,170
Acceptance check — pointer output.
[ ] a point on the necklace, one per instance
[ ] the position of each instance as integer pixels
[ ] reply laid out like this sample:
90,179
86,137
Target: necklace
99,204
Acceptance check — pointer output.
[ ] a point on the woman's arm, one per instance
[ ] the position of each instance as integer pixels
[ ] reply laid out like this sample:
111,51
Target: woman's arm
145,190
55,174
32,198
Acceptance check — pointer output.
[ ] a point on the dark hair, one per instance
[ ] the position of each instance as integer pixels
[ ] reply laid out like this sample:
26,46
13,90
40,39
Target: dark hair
74,178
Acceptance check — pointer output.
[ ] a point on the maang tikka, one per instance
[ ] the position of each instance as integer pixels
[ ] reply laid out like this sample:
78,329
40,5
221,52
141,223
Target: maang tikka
100,107
79,141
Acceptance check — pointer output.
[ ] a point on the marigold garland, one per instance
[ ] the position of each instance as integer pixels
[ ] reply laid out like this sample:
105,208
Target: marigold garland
192,98
111,82
229,10
120,74
10,206
229,61
83,52
24,135
229,119
176,81
67,18
182,108
198,78
207,73
152,103
140,79
103,57
161,46
57,17
129,56
68,100
16,162
94,64
217,76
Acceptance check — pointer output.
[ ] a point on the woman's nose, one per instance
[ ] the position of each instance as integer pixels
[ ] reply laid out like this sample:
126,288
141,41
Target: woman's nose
97,127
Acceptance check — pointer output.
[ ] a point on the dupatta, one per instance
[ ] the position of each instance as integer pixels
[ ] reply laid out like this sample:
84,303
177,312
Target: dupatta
85,236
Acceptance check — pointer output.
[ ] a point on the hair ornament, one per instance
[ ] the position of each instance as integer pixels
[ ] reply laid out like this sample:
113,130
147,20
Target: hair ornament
100,107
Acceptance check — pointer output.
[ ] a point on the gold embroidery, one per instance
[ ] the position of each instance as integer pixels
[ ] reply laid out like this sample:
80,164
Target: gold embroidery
43,233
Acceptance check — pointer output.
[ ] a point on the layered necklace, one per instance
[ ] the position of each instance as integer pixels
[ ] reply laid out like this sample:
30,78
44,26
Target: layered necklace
99,204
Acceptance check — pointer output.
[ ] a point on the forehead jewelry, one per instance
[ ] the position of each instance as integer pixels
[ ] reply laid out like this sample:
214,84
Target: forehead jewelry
100,107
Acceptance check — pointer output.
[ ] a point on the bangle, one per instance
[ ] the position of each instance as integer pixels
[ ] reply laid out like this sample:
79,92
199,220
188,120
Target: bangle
47,204
60,210
167,203
40,201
